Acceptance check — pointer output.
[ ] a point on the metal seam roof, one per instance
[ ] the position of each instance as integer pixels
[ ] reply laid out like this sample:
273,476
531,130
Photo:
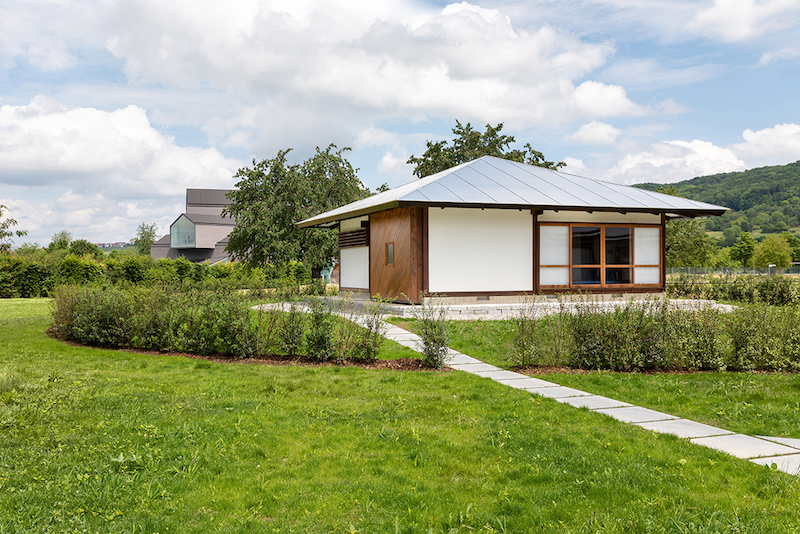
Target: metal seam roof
535,187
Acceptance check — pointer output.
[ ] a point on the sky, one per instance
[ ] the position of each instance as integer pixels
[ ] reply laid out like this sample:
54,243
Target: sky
110,109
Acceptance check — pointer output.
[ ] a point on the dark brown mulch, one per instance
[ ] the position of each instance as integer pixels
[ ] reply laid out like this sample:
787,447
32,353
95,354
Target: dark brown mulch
400,364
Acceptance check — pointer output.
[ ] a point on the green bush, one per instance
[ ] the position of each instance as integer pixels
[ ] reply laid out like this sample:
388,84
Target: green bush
291,330
432,315
155,319
764,338
10,274
647,335
776,290
372,332
541,339
695,341
76,270
626,338
319,337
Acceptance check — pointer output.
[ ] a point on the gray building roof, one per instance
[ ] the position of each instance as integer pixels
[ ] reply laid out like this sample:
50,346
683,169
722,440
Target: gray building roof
490,182
207,197
216,220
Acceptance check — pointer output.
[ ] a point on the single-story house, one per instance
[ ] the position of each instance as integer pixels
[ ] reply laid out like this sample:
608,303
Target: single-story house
200,234
491,229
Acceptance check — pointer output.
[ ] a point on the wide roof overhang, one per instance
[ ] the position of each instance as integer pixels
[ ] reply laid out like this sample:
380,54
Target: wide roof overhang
494,183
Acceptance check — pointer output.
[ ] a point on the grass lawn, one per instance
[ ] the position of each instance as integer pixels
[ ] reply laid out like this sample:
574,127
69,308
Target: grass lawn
107,441
765,404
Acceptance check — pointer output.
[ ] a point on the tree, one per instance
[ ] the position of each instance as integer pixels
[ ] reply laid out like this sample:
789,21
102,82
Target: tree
6,234
775,249
145,237
60,240
471,144
794,242
687,243
742,250
82,247
669,190
273,196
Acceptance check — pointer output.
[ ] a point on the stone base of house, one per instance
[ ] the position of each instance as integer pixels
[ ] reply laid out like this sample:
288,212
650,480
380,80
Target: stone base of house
552,297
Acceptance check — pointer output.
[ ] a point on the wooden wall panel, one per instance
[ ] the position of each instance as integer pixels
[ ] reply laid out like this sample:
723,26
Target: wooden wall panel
402,280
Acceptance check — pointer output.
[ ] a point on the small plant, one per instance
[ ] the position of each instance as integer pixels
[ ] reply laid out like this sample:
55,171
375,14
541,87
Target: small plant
319,337
372,334
291,333
541,338
432,315
346,331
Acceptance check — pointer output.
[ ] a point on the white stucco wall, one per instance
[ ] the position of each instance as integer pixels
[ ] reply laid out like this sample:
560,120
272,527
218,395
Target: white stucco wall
354,267
599,217
480,250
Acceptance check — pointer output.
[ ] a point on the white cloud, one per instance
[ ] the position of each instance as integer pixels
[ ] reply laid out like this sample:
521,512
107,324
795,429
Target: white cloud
741,20
463,60
673,161
783,53
112,165
395,166
594,133
601,100
649,73
575,166
771,146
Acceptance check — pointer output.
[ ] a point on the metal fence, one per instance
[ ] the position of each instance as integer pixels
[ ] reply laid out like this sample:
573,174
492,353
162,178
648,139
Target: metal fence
731,271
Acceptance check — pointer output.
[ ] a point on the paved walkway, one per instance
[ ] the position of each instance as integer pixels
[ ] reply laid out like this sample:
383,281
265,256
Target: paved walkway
784,452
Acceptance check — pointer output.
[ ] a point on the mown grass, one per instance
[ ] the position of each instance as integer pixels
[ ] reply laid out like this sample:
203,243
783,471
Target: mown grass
753,404
490,341
97,440
766,404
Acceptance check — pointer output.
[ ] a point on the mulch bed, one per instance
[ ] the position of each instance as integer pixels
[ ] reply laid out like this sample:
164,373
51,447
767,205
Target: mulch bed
400,364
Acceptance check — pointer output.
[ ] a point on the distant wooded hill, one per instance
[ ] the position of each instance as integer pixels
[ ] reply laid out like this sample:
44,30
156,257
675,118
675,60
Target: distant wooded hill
762,201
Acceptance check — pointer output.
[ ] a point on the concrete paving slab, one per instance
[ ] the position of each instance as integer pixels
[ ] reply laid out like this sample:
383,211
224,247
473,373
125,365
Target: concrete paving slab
398,332
683,428
474,367
593,402
745,447
404,336
410,343
790,442
527,383
635,414
557,392
459,358
502,374
788,464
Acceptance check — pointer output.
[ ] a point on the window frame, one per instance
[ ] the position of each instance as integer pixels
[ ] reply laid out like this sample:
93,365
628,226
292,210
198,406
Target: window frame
388,246
602,265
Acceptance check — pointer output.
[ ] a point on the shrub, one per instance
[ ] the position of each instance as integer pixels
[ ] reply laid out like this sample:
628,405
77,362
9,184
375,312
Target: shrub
154,319
10,271
291,331
764,337
346,330
372,332
684,286
319,337
627,338
75,270
93,316
695,341
541,338
778,291
434,338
